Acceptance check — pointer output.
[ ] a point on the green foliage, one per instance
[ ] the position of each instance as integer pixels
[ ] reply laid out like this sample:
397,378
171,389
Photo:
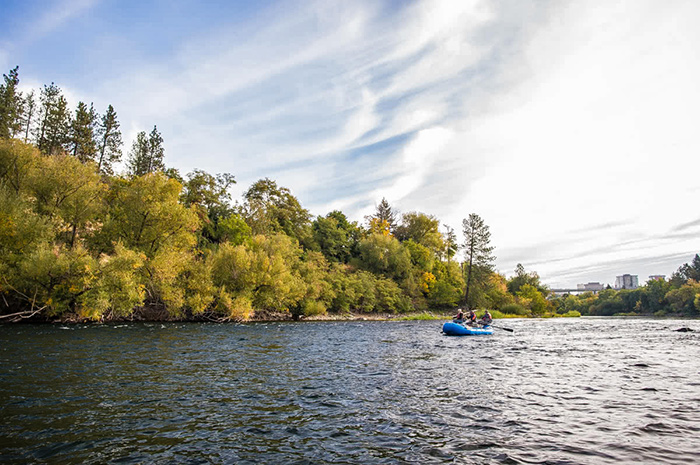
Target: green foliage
54,277
522,277
208,196
384,218
146,155
117,289
53,132
270,209
69,193
514,309
447,290
496,293
421,229
10,104
108,141
530,297
145,215
684,299
421,257
384,255
17,162
424,316
233,230
82,133
21,229
478,255
265,271
336,237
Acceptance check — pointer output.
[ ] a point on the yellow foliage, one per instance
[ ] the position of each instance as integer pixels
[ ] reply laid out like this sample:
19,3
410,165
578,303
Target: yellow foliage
377,226
427,282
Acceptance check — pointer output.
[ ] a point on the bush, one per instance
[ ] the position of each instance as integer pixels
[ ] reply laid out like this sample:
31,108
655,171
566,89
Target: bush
514,309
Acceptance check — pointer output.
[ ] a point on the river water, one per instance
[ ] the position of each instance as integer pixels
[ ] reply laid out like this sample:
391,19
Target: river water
565,391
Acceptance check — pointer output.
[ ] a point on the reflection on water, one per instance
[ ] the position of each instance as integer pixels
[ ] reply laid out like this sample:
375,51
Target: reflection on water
554,391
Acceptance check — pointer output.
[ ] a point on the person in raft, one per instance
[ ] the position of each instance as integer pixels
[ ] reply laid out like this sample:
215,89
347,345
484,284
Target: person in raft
487,319
459,317
471,318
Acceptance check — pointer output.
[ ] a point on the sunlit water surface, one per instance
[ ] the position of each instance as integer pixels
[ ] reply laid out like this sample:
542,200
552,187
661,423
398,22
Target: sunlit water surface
578,391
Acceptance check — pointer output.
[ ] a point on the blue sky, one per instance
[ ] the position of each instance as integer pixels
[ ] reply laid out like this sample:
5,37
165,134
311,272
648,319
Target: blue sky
570,127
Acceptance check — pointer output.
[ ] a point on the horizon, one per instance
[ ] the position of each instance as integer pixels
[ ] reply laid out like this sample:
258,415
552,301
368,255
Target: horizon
569,128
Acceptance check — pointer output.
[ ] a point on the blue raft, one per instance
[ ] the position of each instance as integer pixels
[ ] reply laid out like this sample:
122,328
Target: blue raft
457,329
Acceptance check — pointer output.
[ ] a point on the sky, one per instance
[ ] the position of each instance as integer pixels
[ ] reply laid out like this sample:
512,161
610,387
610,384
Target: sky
570,127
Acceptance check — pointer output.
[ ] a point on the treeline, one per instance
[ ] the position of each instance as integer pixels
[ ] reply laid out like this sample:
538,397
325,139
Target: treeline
78,240
677,296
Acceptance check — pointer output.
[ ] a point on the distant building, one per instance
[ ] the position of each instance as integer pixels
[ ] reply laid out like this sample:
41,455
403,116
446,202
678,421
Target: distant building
627,281
654,277
595,287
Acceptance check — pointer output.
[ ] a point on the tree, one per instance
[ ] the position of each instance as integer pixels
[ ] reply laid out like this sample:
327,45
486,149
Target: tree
68,192
385,255
478,252
522,277
686,272
10,104
145,215
269,208
451,244
336,236
29,110
82,135
384,215
53,131
147,153
422,229
17,162
109,141
209,195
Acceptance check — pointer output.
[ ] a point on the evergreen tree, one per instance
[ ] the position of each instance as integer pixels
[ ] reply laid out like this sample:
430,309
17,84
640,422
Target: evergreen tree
451,245
53,131
10,104
147,153
109,141
29,110
82,137
386,213
478,252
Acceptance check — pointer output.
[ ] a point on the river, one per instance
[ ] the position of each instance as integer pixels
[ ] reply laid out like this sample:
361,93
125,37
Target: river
564,391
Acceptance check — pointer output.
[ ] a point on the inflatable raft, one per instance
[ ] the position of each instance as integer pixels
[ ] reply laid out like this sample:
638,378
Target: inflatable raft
458,329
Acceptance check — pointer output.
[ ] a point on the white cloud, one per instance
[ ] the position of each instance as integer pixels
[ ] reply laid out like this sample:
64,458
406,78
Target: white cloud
547,120
55,16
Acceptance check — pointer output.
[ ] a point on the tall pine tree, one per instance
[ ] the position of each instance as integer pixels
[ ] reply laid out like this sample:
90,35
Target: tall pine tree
146,154
109,141
82,136
28,114
478,253
52,133
10,104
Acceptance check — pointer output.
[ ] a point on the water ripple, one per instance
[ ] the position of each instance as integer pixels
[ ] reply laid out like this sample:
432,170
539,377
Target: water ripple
585,391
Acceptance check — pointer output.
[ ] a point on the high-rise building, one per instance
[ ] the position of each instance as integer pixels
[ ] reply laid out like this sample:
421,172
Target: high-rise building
657,276
627,281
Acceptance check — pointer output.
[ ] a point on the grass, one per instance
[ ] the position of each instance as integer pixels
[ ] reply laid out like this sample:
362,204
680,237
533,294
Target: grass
422,316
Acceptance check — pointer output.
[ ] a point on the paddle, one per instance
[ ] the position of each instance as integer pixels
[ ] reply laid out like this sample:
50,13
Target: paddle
504,329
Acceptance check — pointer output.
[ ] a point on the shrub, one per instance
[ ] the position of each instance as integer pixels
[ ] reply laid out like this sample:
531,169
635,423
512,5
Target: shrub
514,309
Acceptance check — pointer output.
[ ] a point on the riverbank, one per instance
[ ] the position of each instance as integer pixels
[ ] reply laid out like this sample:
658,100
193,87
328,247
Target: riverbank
157,314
